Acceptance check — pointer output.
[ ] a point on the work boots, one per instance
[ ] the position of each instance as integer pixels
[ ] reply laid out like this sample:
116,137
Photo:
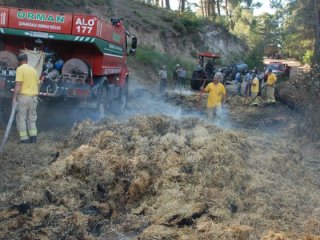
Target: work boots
24,141
33,139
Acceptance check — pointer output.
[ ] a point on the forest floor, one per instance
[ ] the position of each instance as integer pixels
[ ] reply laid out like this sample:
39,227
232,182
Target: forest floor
162,170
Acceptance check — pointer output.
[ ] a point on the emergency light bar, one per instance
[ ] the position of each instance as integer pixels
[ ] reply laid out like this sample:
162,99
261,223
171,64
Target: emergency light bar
115,21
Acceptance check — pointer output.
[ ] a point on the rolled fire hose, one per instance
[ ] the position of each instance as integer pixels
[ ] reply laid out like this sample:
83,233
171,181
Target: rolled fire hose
6,134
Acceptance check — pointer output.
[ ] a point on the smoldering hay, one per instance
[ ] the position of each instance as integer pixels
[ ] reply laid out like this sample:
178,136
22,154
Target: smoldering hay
156,177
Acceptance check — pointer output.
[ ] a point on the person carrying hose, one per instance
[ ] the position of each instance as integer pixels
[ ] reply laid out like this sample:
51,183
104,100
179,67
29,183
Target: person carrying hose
217,95
271,80
26,95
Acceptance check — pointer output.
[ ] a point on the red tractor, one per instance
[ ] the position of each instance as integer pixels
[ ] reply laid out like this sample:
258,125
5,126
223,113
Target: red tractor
203,74
77,56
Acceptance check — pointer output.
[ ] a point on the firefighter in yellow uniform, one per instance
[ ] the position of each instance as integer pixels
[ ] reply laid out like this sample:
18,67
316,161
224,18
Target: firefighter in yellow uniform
255,90
217,95
26,95
271,81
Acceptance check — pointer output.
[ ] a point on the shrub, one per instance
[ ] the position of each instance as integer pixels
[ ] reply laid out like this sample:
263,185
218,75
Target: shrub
308,85
167,17
255,57
307,57
179,27
100,2
137,13
190,20
222,22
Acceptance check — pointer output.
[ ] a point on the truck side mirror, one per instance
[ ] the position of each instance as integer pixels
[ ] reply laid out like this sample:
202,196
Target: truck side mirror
134,43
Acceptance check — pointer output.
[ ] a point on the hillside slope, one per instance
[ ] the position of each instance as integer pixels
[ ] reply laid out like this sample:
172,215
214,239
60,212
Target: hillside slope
167,31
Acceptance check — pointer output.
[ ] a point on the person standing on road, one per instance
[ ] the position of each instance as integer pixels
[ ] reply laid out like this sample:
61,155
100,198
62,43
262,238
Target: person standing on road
247,79
238,82
163,79
260,77
182,74
175,75
271,81
217,95
209,68
26,95
255,90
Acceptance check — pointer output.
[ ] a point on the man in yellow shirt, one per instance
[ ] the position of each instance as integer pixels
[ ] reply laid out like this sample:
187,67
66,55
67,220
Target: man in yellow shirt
217,94
255,89
26,95
271,80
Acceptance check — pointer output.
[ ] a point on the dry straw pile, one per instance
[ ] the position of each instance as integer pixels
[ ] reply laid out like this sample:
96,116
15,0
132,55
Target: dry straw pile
162,178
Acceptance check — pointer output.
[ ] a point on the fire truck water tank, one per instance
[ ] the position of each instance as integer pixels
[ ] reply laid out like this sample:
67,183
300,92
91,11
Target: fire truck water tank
8,60
75,70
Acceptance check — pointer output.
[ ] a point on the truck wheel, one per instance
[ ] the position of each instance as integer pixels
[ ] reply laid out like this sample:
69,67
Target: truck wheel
120,102
123,96
193,85
103,101
49,86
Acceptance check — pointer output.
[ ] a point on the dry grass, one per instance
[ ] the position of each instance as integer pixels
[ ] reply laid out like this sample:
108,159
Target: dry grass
162,178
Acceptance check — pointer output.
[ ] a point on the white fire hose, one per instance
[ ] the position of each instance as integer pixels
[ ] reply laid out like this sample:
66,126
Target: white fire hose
6,134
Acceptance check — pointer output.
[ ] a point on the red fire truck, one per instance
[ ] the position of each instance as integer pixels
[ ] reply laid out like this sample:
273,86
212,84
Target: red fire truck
77,56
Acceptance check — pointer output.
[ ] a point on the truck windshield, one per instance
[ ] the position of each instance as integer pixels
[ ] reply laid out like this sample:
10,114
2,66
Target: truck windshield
275,67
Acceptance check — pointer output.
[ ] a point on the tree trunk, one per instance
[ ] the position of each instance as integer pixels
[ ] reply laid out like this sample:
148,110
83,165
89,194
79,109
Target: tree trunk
317,31
182,6
218,7
208,9
213,9
232,24
203,9
168,4
227,10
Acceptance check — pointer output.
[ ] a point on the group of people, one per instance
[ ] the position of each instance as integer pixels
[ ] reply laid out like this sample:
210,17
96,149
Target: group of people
179,74
253,84
217,92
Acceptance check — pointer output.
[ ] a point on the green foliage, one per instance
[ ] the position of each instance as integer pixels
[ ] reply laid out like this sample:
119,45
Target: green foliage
188,21
167,17
138,13
179,27
308,85
100,2
222,21
298,27
154,59
255,57
308,56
